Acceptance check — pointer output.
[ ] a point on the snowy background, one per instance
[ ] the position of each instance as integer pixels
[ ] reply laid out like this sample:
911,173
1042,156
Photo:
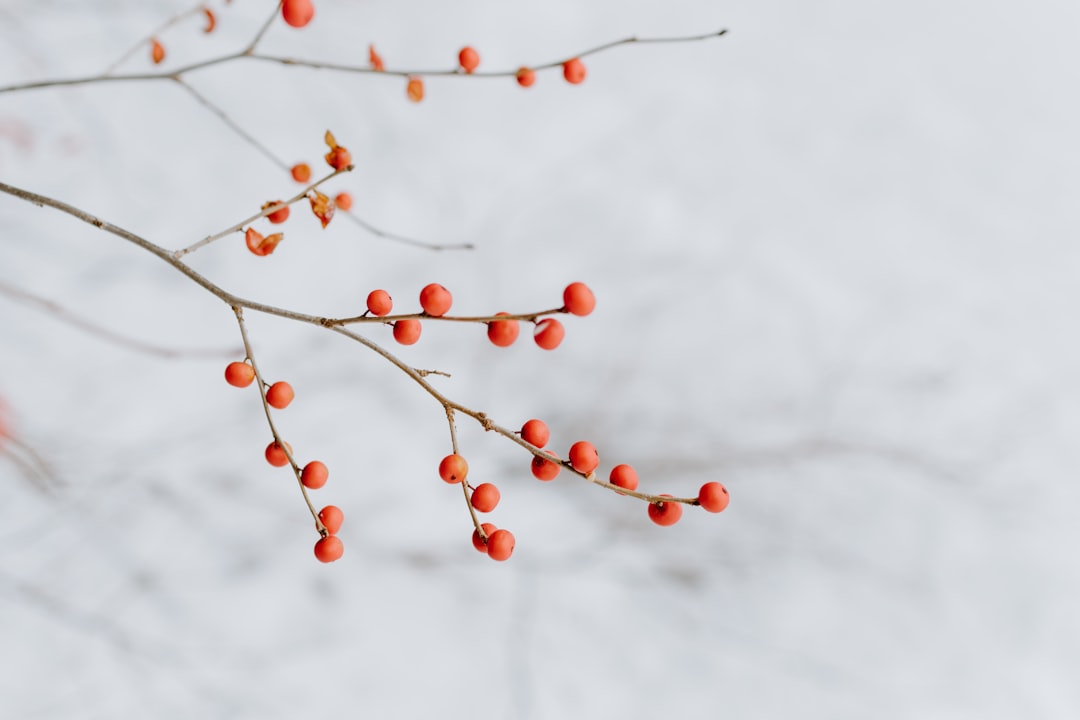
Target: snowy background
835,254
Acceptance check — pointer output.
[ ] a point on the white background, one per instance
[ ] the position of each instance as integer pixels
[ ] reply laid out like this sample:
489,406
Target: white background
835,260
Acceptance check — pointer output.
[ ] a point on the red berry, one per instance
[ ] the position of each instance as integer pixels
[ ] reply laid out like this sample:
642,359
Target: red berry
344,201
339,158
536,433
453,469
297,13
500,545
469,59
525,77
280,395
332,517
435,299
485,497
379,303
329,549
574,71
544,469
481,543
301,172
713,497
239,374
583,457
157,51
548,333
314,475
407,331
624,476
275,454
665,513
578,299
278,216
415,89
503,333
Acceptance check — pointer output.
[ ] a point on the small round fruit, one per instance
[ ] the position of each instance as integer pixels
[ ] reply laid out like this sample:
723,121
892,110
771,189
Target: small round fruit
548,333
535,432
480,543
525,77
343,201
665,513
379,303
583,457
713,497
500,545
485,497
301,172
329,549
624,476
278,216
435,299
339,158
239,374
578,299
297,13
407,331
331,518
469,59
503,333
574,71
280,395
453,469
415,89
314,475
544,469
275,454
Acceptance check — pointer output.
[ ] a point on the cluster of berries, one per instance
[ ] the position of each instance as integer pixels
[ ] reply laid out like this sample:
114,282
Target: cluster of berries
312,476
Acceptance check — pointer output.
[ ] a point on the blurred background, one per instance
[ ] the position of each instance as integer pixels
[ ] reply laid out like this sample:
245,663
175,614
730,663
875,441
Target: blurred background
835,259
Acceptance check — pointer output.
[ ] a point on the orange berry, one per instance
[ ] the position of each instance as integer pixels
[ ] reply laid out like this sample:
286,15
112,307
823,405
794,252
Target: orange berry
578,299
338,158
500,545
665,513
544,469
535,432
503,333
574,71
279,395
624,476
211,20
415,89
481,543
583,457
297,13
343,201
314,475
485,497
525,77
407,331
469,59
453,469
435,299
713,497
331,518
379,303
278,216
301,172
329,549
261,245
239,374
275,454
548,333
157,51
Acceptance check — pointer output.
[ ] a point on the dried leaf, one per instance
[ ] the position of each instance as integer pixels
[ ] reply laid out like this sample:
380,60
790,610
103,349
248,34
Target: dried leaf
322,206
211,20
375,59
